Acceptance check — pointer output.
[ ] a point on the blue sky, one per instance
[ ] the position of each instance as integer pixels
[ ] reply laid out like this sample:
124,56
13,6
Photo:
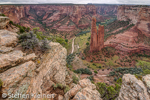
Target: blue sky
144,2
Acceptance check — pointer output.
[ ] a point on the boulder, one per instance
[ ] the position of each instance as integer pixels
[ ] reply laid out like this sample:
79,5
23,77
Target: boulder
132,89
87,94
3,21
84,90
8,38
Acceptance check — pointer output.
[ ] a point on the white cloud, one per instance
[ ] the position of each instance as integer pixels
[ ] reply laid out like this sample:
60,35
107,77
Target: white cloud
147,2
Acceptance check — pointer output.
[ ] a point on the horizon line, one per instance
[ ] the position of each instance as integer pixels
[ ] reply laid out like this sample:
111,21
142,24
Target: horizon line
70,3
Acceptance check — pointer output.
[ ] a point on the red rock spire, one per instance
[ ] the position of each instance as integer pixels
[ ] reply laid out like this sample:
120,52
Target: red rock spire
97,39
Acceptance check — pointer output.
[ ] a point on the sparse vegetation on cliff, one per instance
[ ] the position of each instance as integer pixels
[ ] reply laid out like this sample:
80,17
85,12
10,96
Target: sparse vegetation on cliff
1,83
21,28
119,72
83,71
29,41
2,15
109,92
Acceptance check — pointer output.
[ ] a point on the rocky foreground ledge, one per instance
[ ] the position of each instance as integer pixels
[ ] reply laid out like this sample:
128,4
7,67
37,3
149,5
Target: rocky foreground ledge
20,74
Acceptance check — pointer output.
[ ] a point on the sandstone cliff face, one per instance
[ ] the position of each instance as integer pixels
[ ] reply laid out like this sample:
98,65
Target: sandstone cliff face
128,41
134,39
140,16
97,39
134,89
133,13
60,17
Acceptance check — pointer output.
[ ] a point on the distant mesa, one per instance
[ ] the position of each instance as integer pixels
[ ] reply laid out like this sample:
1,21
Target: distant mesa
97,38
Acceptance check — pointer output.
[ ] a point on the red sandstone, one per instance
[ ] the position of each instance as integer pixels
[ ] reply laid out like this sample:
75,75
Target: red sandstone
97,39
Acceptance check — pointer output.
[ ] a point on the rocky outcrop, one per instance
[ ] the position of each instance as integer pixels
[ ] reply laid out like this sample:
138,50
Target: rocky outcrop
84,90
60,17
146,80
134,89
11,77
8,38
3,22
53,68
97,39
16,68
20,74
100,37
11,58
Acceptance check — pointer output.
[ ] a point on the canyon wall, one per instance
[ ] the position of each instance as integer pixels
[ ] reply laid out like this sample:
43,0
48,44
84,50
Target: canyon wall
136,38
97,38
138,15
133,13
60,17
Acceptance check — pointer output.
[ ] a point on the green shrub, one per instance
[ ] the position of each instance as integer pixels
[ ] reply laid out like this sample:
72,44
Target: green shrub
22,30
99,67
87,43
67,88
11,22
60,86
82,32
119,81
83,71
75,79
3,15
66,40
83,58
44,46
119,72
28,41
108,92
1,83
91,78
27,29
95,72
70,58
61,41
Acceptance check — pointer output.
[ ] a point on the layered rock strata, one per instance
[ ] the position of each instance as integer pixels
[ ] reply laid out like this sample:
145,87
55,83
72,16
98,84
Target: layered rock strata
60,17
135,39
